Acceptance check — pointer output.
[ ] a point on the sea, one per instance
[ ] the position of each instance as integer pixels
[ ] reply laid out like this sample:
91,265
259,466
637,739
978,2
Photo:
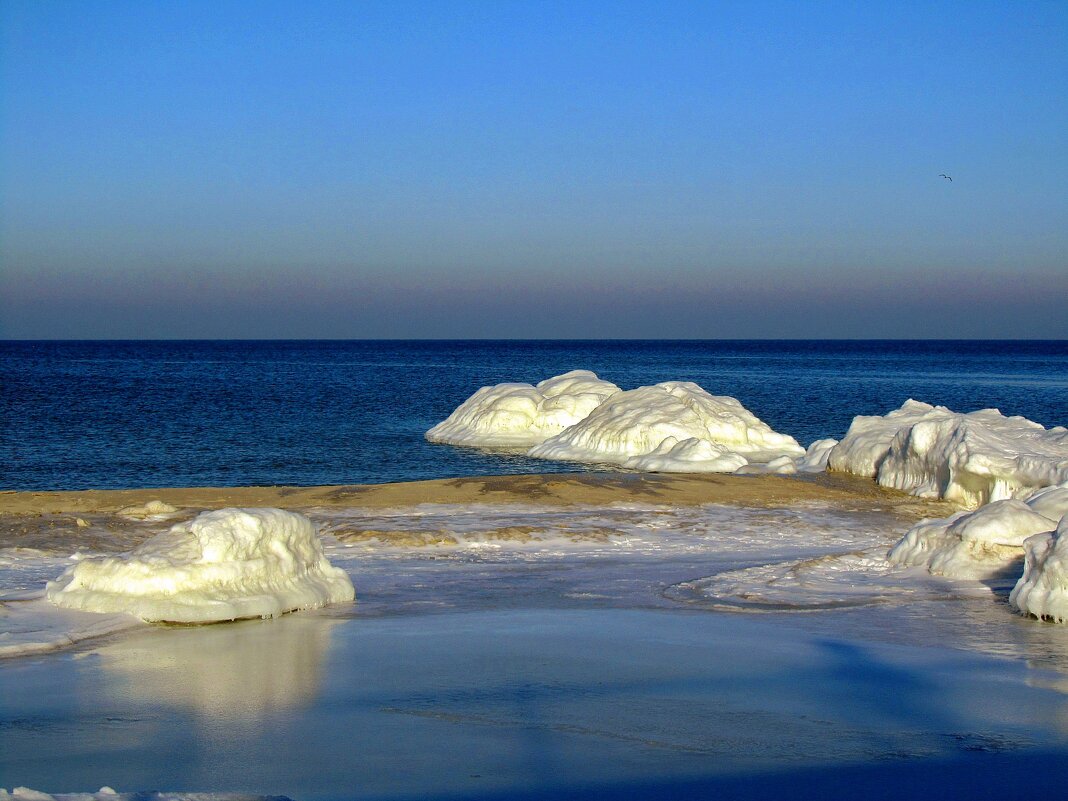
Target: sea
104,415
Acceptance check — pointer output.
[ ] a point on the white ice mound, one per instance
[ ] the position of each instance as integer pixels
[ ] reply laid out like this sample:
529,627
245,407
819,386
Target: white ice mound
691,455
972,458
223,565
651,428
521,415
975,545
1042,590
149,509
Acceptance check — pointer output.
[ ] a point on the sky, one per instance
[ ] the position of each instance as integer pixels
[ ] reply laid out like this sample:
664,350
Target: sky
533,170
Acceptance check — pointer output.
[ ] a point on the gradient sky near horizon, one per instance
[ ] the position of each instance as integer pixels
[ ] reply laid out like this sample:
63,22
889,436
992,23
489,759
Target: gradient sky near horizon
530,170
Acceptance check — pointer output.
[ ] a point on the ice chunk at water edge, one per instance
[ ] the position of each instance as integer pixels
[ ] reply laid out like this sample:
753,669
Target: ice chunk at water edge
658,422
521,415
222,565
972,458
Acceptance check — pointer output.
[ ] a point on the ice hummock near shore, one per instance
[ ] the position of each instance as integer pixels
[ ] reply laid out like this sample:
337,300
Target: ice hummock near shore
1006,469
970,459
521,415
222,565
674,426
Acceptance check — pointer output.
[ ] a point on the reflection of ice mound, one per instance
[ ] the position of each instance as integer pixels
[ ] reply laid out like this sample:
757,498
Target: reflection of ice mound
977,545
223,565
223,672
1042,590
653,425
521,415
834,581
972,459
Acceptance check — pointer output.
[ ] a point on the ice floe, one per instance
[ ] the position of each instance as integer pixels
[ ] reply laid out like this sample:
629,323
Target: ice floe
675,426
521,415
971,459
1042,590
222,565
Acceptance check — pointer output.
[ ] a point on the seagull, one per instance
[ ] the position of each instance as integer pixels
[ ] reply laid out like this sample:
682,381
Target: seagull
943,175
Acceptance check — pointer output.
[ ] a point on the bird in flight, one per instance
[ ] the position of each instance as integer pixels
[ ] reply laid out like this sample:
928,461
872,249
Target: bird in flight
943,175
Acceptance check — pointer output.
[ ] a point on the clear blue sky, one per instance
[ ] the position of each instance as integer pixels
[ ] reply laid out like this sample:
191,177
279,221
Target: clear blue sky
366,169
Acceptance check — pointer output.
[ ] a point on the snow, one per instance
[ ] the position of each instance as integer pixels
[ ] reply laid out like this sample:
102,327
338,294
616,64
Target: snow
672,426
521,415
1042,590
222,565
971,459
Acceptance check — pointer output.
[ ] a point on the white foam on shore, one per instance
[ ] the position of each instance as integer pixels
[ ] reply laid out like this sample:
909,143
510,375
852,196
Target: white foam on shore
520,415
1042,590
223,565
663,427
971,459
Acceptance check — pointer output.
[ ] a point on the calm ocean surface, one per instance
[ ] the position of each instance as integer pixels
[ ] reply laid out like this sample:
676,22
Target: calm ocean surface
77,415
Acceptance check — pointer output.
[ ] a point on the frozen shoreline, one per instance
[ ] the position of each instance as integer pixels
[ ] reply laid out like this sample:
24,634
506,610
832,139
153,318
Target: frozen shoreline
576,628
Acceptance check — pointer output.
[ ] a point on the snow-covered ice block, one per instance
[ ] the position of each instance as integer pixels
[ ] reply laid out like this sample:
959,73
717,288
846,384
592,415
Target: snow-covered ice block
816,456
521,415
1042,590
814,460
149,509
1051,501
657,421
971,459
691,455
222,565
976,545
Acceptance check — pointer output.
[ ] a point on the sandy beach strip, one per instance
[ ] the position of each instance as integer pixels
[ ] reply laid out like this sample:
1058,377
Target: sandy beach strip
26,517
554,489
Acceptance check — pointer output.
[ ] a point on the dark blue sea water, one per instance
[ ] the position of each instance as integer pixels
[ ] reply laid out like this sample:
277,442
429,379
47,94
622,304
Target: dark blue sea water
78,415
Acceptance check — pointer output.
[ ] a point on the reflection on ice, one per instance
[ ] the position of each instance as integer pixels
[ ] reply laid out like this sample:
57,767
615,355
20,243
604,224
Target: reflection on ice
235,671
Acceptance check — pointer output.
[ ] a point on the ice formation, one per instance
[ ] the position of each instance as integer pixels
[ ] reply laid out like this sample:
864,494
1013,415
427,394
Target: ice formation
980,544
521,415
149,509
971,459
674,426
222,565
1042,590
